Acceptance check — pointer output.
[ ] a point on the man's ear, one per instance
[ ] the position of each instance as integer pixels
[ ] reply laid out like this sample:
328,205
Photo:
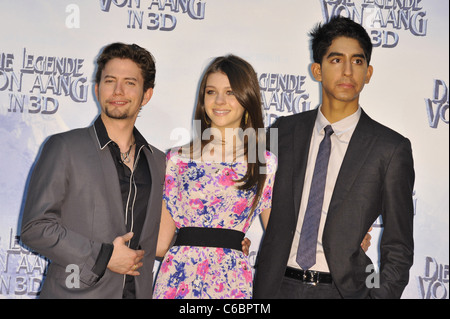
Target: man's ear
316,70
369,73
147,96
96,90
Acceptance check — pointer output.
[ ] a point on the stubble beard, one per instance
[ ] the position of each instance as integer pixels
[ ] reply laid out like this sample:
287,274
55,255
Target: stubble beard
120,116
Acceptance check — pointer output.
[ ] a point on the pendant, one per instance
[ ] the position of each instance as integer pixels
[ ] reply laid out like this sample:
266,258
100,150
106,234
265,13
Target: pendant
126,156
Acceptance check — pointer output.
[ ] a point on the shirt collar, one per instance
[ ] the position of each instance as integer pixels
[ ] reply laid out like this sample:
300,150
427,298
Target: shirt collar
103,138
341,127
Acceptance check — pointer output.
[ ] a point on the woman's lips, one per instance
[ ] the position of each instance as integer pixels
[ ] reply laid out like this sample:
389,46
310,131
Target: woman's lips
221,112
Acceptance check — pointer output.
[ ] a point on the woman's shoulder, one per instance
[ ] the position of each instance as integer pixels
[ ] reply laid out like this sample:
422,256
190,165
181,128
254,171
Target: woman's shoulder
172,153
178,153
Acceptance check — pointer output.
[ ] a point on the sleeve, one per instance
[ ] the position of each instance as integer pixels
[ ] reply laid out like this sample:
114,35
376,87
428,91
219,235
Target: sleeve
270,170
171,185
42,228
397,243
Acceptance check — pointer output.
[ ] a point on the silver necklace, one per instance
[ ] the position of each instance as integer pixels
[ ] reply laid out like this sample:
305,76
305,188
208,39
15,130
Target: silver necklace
126,158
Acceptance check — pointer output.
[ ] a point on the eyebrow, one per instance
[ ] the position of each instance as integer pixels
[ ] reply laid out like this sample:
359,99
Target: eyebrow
212,86
358,55
113,77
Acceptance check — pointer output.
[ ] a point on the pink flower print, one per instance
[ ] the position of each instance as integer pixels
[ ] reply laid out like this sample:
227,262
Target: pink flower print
267,193
220,254
196,204
183,290
228,177
202,268
185,249
220,288
215,201
182,167
166,263
237,294
240,206
169,184
170,293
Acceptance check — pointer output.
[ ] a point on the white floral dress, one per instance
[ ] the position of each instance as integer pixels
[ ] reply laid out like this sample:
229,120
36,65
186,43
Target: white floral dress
203,194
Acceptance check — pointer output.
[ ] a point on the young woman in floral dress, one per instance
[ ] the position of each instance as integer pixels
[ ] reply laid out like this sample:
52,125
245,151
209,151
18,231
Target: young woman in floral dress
215,188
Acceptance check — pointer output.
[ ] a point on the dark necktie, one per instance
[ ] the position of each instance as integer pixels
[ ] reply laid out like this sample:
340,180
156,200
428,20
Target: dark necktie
306,253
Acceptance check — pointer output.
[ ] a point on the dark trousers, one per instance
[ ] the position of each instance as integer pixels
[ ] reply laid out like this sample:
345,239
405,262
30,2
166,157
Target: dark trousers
295,289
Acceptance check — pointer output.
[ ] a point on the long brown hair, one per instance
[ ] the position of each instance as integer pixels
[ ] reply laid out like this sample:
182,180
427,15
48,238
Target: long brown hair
245,86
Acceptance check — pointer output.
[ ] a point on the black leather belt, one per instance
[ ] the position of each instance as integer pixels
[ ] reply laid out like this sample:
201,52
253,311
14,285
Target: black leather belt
210,237
309,276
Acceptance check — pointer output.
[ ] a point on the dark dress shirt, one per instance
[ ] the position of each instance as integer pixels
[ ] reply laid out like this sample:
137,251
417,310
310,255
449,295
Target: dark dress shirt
135,190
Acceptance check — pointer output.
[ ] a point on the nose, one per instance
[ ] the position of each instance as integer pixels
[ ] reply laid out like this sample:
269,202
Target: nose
220,99
118,89
348,68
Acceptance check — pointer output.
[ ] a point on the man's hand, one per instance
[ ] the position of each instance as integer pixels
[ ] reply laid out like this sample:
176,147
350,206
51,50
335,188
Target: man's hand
246,246
124,260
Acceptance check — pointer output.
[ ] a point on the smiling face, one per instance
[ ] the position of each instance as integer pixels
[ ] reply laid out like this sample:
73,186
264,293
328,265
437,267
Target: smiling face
343,72
221,105
120,91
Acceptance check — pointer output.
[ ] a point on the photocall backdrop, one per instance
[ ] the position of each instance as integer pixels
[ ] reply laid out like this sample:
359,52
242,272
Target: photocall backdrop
47,54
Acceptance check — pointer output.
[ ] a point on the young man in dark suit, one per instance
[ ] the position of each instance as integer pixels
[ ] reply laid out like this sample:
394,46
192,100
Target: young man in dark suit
338,170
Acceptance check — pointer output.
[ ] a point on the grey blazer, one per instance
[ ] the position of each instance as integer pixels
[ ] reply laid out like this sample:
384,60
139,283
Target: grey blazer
74,205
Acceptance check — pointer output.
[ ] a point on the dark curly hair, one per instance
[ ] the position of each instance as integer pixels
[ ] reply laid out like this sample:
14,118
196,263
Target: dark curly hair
135,53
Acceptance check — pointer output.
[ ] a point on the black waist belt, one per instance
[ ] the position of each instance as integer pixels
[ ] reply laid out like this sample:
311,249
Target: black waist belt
210,237
309,276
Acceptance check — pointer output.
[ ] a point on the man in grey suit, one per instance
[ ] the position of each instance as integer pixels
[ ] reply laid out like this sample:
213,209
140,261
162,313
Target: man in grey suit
93,205
338,170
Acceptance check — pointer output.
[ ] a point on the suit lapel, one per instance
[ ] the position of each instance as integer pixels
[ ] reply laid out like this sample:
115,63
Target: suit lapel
155,197
111,185
358,149
301,144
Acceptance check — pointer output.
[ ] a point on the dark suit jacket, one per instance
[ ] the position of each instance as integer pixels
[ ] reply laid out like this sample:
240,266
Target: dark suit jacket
376,177
74,205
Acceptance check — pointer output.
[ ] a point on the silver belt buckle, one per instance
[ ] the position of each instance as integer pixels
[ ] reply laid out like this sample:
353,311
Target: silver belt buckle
310,280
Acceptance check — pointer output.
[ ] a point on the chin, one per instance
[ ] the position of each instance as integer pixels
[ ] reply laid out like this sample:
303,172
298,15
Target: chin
116,115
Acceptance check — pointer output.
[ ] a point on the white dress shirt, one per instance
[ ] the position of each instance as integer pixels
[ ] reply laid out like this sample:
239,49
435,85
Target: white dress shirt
343,131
